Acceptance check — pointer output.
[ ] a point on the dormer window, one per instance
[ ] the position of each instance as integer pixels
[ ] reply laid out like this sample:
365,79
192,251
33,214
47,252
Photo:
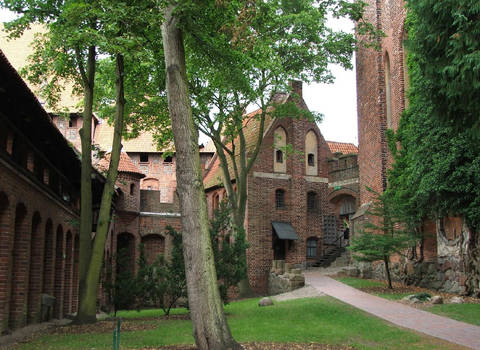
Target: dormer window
311,159
279,156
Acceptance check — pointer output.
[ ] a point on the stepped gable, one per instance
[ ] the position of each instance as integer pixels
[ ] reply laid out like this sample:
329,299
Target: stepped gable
251,124
341,147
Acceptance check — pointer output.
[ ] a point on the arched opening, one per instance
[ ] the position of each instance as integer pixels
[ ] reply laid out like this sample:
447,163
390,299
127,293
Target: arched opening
388,91
21,246
59,273
216,201
76,256
312,244
126,252
154,245
311,151
312,204
36,273
280,199
279,143
67,290
279,157
347,207
151,184
48,259
406,79
5,236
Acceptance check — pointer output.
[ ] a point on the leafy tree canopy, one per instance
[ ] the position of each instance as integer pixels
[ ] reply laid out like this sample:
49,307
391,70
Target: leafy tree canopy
444,39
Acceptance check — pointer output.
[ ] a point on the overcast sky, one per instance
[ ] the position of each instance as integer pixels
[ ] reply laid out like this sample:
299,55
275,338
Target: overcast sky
337,102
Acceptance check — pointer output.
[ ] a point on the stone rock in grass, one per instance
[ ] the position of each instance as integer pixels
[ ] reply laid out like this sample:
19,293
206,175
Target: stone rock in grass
265,302
457,300
415,301
408,297
437,299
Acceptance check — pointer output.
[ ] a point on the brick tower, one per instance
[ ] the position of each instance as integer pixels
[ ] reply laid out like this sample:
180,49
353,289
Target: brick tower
381,85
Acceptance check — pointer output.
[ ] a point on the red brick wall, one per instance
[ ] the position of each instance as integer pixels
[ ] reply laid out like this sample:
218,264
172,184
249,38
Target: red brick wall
36,270
154,245
156,168
374,158
28,258
261,210
127,201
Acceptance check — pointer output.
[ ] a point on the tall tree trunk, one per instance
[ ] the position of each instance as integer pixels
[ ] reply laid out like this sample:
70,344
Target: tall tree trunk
85,240
211,330
88,305
387,270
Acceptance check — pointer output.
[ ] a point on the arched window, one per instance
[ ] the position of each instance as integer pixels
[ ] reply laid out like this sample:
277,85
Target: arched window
311,150
280,199
279,157
311,159
132,189
312,247
216,201
388,91
279,143
311,201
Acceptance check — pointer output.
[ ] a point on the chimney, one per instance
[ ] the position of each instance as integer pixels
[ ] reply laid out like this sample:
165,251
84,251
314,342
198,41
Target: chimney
296,86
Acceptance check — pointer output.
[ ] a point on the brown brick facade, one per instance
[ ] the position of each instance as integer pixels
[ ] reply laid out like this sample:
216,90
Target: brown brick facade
305,187
33,256
373,79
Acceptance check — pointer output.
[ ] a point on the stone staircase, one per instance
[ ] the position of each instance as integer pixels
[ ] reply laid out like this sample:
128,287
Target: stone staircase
333,257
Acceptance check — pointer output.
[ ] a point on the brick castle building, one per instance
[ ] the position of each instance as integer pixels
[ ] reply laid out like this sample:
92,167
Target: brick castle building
307,196
293,212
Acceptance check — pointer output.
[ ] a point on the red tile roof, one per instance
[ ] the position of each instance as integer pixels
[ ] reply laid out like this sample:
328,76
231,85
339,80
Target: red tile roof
144,142
341,147
126,165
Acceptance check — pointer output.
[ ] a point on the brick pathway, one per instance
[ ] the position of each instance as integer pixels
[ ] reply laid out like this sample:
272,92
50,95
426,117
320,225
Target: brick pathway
402,315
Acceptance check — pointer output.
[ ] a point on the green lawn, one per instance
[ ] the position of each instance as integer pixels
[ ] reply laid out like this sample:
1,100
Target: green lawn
320,320
389,296
469,313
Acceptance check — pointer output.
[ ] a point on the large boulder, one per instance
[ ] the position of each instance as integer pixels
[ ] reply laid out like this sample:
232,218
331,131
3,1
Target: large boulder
436,299
457,300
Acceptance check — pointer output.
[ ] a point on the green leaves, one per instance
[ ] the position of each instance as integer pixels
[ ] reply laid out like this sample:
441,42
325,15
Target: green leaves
384,234
445,35
436,168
